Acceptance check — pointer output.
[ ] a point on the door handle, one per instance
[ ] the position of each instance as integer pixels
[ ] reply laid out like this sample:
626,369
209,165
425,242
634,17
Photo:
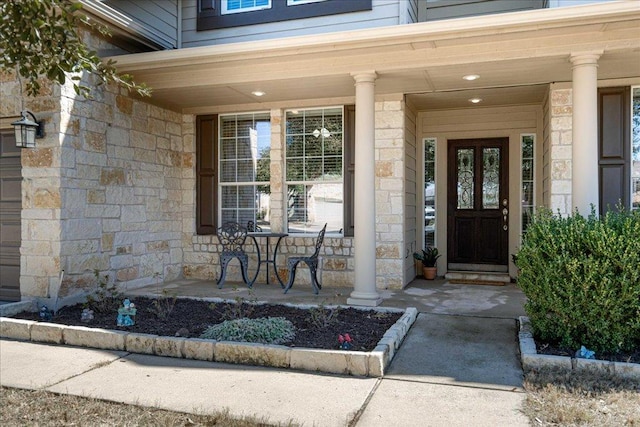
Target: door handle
505,215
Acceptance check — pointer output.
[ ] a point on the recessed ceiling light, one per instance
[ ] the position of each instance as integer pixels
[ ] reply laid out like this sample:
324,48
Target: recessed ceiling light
471,77
258,93
475,100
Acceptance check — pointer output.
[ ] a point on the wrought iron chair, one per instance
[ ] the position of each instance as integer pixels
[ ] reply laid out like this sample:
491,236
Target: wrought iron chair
232,237
312,263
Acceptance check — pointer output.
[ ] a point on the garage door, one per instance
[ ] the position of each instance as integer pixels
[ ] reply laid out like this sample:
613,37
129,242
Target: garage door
10,206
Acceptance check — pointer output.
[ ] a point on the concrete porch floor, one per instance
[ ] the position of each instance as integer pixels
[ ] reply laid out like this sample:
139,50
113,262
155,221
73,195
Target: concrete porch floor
428,296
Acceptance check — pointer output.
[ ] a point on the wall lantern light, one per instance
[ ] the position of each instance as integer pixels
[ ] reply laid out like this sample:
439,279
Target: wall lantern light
28,130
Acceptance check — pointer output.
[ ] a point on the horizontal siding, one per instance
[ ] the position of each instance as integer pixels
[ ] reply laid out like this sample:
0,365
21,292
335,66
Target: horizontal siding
432,10
412,8
383,13
410,193
479,120
161,16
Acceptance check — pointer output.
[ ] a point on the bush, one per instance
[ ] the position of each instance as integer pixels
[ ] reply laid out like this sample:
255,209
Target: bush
581,277
106,298
265,330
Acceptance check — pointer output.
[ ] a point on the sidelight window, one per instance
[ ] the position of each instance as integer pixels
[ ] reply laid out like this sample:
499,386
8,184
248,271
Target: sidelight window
429,191
527,190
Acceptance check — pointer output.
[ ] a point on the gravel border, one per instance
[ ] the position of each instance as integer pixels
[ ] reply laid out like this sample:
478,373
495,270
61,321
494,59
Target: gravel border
532,360
357,363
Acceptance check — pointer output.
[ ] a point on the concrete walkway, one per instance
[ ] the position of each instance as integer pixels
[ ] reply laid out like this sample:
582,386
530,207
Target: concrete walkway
458,366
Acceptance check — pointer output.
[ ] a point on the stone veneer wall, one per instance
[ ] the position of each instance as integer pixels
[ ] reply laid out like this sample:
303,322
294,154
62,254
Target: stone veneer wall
390,193
41,197
546,143
560,112
337,264
103,192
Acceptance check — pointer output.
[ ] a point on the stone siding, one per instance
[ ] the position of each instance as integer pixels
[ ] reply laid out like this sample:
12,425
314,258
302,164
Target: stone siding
122,186
103,192
111,191
559,146
390,193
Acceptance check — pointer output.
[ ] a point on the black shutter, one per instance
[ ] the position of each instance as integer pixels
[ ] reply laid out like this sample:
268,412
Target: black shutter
614,147
206,178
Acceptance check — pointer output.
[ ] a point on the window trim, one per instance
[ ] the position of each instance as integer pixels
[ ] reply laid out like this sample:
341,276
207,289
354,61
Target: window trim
299,2
220,183
286,183
210,16
225,11
207,135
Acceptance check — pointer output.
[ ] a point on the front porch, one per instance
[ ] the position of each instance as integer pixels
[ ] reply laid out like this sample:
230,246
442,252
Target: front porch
428,296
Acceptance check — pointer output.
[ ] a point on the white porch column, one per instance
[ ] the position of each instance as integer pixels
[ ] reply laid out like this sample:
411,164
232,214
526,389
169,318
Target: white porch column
364,290
584,179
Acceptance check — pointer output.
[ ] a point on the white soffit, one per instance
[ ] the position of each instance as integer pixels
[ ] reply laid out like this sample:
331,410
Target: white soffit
506,50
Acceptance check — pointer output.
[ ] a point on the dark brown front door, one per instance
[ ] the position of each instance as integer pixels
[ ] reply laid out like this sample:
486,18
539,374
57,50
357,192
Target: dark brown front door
478,204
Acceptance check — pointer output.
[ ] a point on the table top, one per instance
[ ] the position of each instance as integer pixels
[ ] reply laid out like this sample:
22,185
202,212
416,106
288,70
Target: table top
266,234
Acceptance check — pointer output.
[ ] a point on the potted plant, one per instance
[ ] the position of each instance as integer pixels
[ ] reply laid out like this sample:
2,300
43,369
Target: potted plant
428,256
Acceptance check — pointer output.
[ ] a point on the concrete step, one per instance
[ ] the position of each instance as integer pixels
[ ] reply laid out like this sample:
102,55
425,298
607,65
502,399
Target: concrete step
478,278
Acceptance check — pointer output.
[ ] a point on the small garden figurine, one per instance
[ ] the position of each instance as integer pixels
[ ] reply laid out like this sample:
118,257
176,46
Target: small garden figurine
86,315
585,353
126,313
345,341
45,313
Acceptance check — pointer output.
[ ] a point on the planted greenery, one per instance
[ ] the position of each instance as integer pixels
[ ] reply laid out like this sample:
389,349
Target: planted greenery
581,277
44,38
265,330
106,298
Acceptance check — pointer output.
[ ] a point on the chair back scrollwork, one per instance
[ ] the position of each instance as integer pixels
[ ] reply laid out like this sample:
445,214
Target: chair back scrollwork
319,240
232,237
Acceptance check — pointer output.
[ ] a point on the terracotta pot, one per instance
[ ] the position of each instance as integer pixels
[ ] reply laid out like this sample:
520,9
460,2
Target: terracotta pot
429,273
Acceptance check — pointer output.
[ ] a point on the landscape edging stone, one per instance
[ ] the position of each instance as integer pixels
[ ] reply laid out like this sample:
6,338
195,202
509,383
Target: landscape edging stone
530,358
357,363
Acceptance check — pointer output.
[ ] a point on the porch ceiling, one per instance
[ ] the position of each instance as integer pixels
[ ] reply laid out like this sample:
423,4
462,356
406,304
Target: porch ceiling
515,57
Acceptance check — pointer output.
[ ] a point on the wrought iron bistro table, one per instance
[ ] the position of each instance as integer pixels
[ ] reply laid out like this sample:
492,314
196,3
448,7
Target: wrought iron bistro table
267,260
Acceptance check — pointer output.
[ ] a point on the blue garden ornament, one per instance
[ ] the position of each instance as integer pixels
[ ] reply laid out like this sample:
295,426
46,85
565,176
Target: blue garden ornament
585,353
126,313
45,313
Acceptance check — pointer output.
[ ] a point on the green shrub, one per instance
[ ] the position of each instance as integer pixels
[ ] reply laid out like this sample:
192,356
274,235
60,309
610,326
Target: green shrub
106,298
265,330
581,277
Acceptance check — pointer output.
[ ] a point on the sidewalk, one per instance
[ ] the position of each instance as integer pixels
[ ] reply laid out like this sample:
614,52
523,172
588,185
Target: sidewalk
455,368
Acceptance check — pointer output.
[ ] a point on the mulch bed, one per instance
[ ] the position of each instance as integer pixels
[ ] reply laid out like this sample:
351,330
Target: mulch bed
552,349
189,318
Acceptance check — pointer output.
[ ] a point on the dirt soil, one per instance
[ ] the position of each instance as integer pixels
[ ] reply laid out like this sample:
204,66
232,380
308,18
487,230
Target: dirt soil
315,328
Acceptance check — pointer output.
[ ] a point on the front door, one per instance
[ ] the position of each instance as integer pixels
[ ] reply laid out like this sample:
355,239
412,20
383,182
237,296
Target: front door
477,222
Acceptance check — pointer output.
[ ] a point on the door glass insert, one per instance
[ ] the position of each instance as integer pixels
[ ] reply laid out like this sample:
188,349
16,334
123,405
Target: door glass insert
465,178
490,178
